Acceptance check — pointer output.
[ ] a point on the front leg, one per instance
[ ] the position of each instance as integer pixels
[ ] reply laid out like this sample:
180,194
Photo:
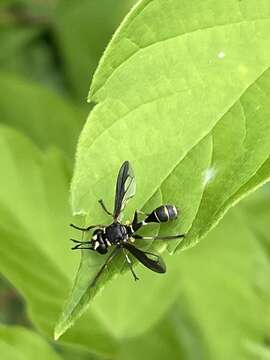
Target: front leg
169,237
135,218
86,228
80,245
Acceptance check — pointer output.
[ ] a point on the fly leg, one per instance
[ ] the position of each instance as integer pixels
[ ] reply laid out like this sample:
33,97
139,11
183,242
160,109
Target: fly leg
130,265
169,237
80,245
104,207
86,228
142,212
105,265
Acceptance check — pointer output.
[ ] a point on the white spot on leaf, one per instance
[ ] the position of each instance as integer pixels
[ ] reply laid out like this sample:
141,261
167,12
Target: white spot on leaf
208,175
221,55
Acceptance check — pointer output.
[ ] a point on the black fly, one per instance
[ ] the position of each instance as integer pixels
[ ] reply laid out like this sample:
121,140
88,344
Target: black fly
121,236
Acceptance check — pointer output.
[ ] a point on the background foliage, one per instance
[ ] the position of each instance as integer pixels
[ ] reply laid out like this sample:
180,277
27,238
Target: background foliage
214,301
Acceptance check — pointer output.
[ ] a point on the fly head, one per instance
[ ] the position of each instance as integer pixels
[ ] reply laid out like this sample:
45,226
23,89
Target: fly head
98,243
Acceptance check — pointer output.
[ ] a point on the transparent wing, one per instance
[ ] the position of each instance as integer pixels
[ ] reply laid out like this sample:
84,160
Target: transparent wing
125,188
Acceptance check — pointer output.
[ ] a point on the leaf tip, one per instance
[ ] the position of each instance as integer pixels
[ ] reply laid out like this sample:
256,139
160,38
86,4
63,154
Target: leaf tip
59,330
57,334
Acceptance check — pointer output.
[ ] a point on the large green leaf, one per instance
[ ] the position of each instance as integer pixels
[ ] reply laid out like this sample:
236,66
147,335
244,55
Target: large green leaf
40,113
140,101
17,343
187,104
34,248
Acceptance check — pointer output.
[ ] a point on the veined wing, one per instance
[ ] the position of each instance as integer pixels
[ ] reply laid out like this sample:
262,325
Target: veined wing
125,188
152,261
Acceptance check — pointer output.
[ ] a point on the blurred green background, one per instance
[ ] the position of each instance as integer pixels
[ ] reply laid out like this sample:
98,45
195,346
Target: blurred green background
49,50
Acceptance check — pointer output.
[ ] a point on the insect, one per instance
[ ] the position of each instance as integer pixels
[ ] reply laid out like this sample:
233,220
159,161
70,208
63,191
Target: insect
121,236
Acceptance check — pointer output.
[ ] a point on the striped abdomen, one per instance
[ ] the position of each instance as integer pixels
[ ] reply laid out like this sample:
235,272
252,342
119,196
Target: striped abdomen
163,213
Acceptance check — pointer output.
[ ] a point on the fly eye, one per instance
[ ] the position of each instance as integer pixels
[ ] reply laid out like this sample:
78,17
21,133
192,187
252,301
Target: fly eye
102,249
97,232
94,237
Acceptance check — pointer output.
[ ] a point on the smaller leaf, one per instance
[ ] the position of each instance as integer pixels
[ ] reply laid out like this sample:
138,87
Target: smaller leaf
13,40
85,27
18,343
42,109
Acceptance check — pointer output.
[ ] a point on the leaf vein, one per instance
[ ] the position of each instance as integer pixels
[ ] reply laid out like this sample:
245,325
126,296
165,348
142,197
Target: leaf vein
92,94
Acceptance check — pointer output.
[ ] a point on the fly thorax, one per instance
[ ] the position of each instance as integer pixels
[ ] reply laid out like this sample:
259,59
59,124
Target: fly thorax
115,233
